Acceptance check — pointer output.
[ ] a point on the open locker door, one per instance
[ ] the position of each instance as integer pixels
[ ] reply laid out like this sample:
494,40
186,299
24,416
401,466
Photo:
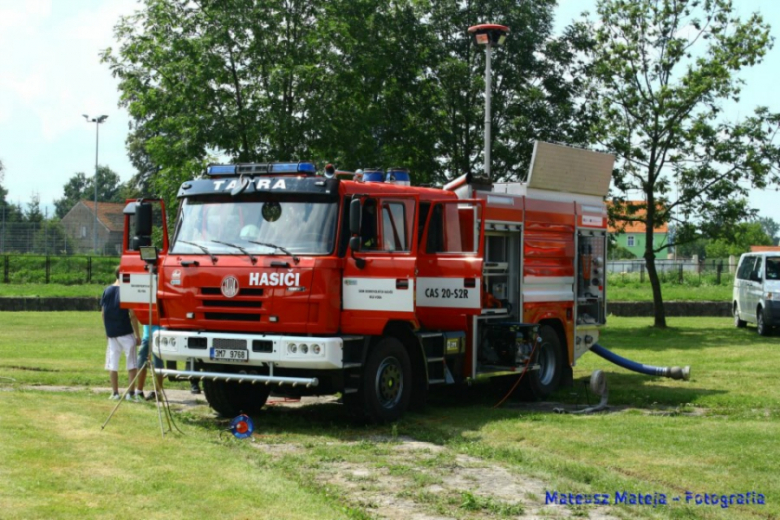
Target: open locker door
449,265
142,218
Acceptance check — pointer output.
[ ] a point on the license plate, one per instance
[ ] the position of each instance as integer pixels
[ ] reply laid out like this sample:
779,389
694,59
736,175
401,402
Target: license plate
229,354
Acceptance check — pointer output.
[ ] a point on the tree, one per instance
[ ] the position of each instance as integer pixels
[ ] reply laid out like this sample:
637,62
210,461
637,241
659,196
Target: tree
660,73
369,83
80,187
746,234
771,228
33,213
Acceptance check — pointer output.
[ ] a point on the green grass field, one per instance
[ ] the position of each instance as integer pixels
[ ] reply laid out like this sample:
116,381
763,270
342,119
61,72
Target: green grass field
716,433
629,291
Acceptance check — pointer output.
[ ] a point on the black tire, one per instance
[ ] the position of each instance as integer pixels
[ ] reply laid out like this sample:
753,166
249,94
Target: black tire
230,399
740,324
386,385
549,355
761,326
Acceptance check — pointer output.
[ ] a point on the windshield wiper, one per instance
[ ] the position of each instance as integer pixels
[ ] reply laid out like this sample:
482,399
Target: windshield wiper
280,248
250,255
203,248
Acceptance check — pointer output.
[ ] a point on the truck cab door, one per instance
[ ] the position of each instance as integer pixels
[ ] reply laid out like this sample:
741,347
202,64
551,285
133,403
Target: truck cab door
449,264
145,224
379,275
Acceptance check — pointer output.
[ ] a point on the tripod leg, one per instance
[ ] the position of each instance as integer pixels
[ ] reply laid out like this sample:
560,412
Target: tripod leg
122,398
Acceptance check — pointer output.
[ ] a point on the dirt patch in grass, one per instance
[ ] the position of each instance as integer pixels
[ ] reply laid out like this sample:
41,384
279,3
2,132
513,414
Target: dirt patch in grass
406,479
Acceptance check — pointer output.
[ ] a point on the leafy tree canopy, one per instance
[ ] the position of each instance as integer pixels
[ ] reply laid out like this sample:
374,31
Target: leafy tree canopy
359,83
660,72
746,234
80,187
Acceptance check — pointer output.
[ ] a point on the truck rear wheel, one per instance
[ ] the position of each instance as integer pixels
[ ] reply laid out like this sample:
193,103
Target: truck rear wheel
549,357
386,385
229,398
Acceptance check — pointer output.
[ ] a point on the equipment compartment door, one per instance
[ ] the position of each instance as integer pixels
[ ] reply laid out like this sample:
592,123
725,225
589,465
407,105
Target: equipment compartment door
449,265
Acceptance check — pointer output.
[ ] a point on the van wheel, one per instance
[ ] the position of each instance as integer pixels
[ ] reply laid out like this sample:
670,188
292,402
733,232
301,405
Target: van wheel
387,381
740,324
763,329
549,357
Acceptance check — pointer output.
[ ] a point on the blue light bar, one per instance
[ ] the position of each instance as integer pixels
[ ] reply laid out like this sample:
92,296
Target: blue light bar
262,168
221,169
373,175
398,176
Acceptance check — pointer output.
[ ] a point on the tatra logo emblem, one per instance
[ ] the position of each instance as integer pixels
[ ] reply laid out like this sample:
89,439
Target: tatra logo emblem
229,286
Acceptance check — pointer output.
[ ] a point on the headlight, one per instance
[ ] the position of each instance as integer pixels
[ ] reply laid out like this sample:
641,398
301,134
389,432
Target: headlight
292,348
316,349
165,342
173,342
304,349
157,341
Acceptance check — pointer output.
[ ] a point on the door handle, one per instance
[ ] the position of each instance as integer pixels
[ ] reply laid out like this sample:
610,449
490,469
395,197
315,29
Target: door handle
402,283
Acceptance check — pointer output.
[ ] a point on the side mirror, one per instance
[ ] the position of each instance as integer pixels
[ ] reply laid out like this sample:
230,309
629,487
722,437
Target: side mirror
143,220
355,208
354,244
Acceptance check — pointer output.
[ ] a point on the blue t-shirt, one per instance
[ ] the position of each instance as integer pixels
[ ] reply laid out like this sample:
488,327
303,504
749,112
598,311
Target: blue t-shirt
146,331
116,320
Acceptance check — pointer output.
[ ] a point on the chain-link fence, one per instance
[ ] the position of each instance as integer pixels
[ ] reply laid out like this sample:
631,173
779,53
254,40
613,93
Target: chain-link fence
43,238
68,270
716,271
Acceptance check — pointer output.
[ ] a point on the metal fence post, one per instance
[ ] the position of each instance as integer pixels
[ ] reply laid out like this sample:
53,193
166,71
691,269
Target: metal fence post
641,274
89,269
718,272
48,268
680,274
6,266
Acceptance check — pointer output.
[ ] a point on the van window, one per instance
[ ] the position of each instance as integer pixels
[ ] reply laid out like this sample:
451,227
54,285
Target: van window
773,268
756,274
746,267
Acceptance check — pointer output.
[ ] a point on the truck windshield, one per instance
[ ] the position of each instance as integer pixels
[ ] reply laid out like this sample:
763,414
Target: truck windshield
235,227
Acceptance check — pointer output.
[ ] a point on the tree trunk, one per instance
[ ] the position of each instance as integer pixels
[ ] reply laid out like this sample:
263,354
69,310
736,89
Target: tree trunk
658,302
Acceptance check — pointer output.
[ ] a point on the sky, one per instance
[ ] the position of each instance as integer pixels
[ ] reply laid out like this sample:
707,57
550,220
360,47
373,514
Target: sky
50,74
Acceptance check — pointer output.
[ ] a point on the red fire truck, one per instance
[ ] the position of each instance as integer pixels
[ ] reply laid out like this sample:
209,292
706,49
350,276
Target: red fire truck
277,279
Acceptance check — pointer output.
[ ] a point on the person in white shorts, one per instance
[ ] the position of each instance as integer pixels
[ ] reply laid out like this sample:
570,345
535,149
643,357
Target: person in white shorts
122,333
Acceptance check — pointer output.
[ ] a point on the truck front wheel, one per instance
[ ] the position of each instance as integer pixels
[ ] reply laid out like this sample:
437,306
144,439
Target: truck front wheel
230,399
387,381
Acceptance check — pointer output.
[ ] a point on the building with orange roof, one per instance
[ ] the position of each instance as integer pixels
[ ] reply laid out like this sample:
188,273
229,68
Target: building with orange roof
79,224
631,235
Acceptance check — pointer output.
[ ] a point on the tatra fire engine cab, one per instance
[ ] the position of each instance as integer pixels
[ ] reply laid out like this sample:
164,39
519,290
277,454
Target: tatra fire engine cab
278,279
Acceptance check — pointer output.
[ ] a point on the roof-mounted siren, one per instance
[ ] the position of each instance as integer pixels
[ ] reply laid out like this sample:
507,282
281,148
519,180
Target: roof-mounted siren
250,169
330,171
373,175
399,176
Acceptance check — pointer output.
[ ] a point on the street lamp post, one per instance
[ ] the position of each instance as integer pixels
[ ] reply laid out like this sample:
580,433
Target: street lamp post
97,121
489,35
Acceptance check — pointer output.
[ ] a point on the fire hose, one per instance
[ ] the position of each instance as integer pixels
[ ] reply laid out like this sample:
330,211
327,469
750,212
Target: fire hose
650,370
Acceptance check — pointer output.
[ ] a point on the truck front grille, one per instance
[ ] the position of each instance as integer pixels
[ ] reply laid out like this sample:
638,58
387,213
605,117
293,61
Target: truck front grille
229,343
231,316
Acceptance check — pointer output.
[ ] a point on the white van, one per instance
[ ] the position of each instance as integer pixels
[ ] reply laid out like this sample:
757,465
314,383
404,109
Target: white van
757,291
